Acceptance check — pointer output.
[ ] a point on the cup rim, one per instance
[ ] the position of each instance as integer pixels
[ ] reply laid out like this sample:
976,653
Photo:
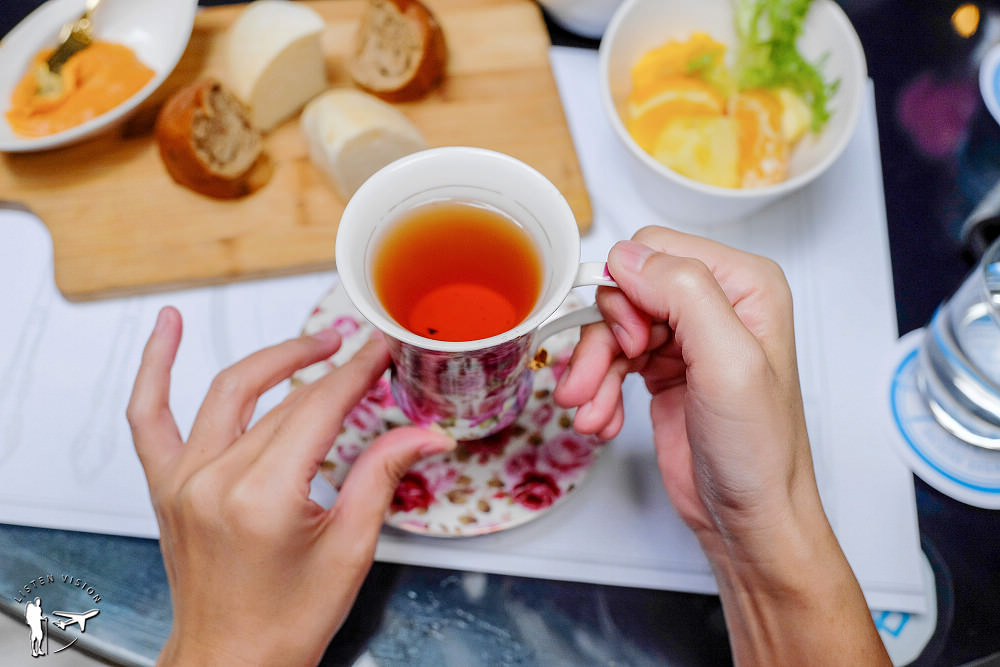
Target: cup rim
426,161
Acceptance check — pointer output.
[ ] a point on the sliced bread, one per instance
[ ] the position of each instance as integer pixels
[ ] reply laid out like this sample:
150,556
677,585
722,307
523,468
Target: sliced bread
400,52
208,144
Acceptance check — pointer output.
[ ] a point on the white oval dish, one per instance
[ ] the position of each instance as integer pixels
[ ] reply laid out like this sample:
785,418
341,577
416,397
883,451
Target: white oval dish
157,31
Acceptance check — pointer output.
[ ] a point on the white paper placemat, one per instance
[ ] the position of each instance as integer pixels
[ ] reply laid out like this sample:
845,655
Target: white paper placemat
66,456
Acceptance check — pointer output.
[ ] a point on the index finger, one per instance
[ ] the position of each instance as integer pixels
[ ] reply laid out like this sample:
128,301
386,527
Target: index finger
311,422
232,398
154,431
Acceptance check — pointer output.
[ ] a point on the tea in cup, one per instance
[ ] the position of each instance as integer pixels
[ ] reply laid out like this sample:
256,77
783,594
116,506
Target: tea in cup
486,281
461,256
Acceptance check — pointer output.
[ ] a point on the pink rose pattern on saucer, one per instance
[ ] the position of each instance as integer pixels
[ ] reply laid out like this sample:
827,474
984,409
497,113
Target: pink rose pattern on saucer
485,485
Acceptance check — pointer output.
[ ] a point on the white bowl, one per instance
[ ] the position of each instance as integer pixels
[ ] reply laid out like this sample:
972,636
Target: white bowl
640,25
157,30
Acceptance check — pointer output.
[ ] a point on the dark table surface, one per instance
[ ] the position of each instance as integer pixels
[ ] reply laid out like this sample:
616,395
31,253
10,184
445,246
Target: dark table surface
940,152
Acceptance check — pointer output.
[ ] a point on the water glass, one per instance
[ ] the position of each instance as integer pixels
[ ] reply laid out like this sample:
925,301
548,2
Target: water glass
959,358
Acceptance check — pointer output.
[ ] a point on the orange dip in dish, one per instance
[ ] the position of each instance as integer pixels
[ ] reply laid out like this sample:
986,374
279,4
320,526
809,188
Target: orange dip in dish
95,80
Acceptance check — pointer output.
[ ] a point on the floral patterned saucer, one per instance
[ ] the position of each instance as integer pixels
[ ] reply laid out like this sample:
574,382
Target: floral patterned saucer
484,485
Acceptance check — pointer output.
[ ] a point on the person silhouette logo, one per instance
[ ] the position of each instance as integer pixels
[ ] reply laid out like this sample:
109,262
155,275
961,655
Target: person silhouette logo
39,628
37,623
63,627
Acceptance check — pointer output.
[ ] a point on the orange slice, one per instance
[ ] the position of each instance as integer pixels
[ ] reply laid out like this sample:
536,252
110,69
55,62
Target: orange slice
650,108
763,149
697,52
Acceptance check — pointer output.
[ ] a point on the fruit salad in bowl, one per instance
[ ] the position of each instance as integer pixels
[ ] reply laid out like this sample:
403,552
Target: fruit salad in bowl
724,106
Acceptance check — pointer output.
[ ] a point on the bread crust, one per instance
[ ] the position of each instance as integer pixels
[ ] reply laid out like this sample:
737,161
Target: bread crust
431,61
187,165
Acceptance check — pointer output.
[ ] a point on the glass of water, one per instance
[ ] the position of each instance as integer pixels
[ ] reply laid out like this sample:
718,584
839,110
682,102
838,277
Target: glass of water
959,369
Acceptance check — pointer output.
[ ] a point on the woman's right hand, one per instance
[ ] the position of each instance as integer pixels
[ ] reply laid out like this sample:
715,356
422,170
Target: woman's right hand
710,330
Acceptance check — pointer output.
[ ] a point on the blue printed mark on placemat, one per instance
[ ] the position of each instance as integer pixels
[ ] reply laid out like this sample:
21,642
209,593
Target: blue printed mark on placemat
892,622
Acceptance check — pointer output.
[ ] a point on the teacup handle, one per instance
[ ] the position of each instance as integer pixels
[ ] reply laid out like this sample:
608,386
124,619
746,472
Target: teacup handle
589,273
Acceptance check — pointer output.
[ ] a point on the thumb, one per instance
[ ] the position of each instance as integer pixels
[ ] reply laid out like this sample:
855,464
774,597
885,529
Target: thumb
366,493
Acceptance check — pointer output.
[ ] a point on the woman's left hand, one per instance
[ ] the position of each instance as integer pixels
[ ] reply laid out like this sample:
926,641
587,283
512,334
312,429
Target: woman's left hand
259,573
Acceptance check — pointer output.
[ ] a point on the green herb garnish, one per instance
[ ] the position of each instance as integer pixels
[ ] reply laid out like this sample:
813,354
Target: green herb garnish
767,56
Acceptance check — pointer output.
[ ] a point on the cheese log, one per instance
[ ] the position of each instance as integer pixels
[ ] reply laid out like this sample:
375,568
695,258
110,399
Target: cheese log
207,143
274,60
400,52
351,135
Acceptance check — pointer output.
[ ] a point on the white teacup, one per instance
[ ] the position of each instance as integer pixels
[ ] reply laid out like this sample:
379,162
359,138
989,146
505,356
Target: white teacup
469,388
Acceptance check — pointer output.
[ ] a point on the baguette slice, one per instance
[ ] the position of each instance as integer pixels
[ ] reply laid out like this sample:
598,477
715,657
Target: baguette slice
274,60
400,52
208,144
352,134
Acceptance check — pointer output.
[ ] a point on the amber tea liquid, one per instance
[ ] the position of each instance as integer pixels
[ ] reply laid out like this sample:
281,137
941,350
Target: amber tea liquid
455,271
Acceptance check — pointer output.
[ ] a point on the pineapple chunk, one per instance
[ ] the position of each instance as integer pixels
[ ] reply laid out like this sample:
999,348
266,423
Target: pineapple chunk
703,148
796,116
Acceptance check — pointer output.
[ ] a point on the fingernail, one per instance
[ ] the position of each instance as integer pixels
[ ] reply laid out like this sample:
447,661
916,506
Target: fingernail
623,338
374,339
440,444
375,345
327,334
629,255
161,319
564,376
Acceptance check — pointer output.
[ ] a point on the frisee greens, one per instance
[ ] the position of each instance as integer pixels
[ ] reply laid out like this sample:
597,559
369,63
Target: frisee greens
767,55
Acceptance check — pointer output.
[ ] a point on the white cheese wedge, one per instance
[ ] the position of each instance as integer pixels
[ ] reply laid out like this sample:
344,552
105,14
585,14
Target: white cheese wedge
274,60
352,134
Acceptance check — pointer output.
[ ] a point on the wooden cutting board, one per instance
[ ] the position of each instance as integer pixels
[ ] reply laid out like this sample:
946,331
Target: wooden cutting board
120,225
